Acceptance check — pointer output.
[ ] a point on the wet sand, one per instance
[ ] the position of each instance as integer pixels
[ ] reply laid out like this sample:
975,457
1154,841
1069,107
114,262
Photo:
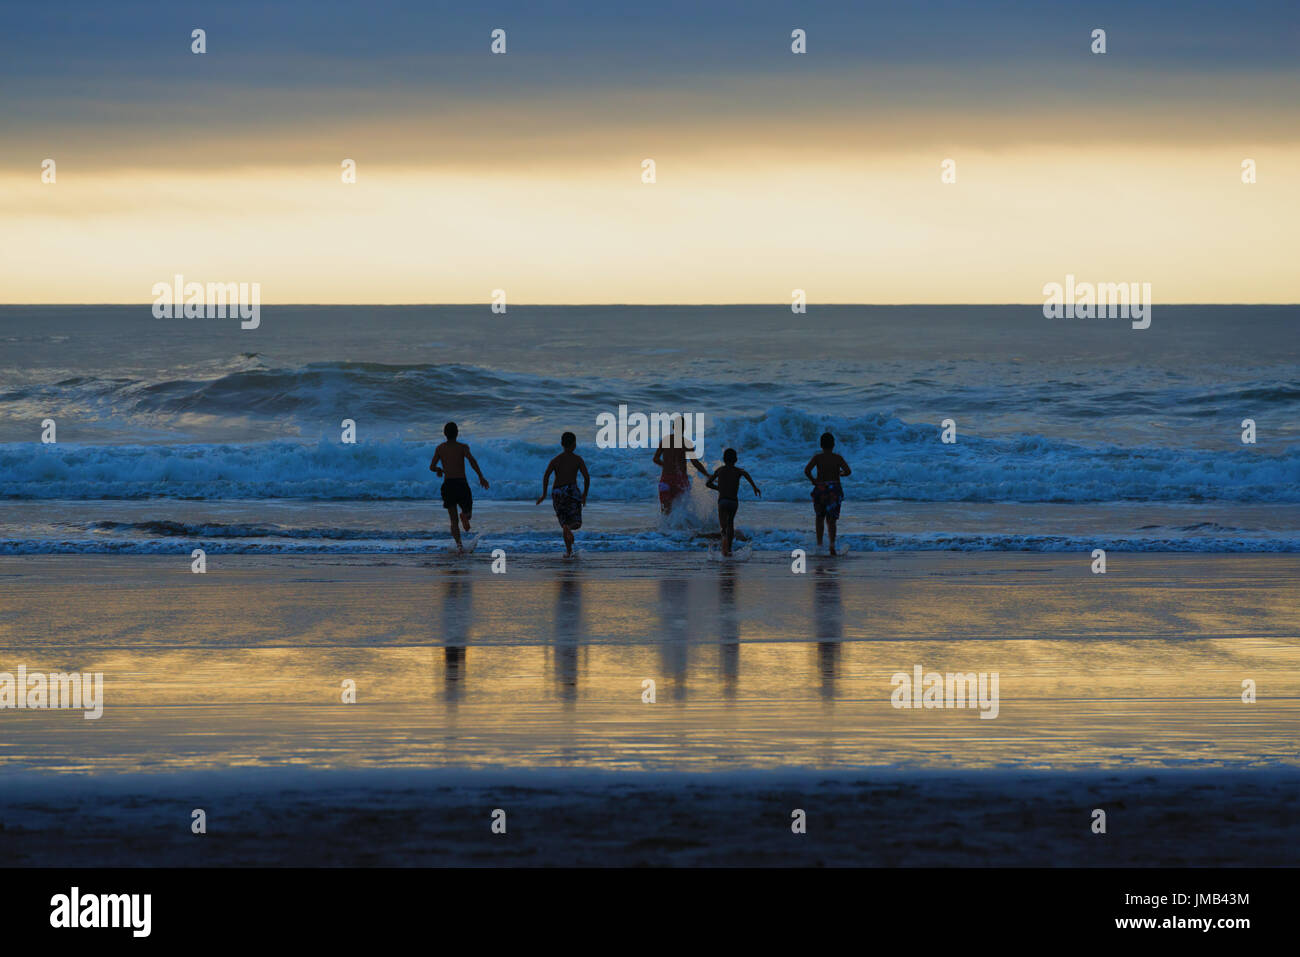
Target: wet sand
1133,677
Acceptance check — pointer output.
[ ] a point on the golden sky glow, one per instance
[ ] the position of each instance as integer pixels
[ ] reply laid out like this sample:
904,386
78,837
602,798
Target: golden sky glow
828,183
716,227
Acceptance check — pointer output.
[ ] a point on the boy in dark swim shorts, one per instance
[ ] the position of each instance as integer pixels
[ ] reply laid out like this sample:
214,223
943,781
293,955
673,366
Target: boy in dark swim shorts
827,493
726,482
449,461
565,497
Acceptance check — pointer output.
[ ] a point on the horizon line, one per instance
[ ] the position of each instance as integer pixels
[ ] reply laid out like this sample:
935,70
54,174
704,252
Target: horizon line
596,305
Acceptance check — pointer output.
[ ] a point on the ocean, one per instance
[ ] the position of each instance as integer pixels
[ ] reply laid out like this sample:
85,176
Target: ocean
1070,434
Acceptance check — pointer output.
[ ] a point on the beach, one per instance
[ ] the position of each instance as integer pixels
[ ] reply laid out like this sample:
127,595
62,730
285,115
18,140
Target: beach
436,818
525,690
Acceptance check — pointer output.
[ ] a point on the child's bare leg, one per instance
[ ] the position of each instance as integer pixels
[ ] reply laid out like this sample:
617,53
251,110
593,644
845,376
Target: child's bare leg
568,539
821,524
455,528
464,520
830,527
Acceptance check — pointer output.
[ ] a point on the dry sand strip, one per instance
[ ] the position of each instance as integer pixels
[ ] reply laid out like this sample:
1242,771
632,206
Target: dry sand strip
1203,818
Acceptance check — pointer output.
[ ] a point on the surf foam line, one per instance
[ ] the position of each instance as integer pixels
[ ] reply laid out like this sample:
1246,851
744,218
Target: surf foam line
892,461
776,545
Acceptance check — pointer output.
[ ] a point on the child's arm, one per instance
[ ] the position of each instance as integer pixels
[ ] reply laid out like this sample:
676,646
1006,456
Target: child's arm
807,469
586,479
694,461
712,482
469,457
546,481
433,466
750,480
659,456
844,467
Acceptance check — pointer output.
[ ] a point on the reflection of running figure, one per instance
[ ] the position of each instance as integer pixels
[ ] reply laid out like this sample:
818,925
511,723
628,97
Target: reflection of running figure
674,482
827,494
455,489
566,498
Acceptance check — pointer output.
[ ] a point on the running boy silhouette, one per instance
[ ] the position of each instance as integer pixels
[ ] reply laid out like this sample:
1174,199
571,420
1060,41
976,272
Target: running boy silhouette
726,482
565,497
827,494
455,489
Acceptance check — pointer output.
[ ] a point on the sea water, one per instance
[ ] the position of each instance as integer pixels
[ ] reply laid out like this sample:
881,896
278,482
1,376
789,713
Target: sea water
1068,433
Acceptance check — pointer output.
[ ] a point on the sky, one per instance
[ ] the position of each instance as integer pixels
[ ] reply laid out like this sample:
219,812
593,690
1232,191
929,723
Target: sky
774,171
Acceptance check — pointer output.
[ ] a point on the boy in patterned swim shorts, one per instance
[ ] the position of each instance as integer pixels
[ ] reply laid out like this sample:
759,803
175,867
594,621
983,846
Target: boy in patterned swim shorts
827,494
565,497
